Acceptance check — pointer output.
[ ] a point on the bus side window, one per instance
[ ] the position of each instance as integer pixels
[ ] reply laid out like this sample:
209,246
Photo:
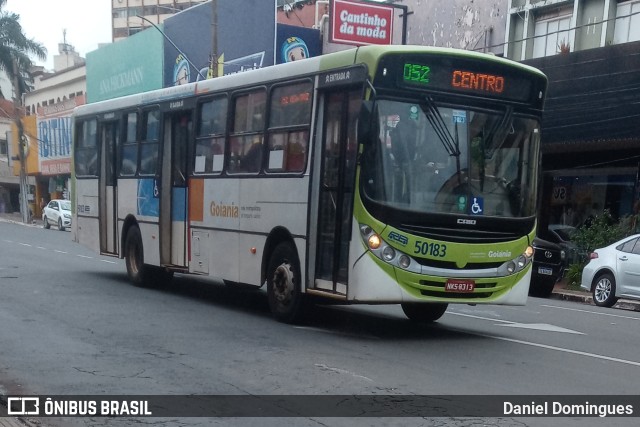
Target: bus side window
129,156
289,121
86,155
248,127
150,142
210,137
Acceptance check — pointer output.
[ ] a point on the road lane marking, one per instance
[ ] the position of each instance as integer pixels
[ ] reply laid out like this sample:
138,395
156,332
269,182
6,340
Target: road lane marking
542,327
533,326
60,252
8,241
40,247
84,256
24,244
591,312
107,261
563,350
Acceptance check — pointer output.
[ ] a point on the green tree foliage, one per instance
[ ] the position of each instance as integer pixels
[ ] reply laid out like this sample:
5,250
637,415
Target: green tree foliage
16,48
599,232
602,231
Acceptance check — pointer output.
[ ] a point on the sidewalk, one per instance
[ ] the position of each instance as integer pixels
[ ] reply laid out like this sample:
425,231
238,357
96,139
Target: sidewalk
16,218
561,292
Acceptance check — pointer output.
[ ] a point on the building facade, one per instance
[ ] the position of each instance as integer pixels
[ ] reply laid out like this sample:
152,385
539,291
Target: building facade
590,50
125,14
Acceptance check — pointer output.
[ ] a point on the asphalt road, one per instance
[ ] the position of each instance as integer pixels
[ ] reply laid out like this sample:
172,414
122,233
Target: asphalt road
72,324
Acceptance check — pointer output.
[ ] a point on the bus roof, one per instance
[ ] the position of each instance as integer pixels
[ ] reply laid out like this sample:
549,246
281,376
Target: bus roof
369,55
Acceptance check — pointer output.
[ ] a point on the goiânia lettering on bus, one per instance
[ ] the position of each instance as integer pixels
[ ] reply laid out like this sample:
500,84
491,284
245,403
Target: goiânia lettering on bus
223,211
499,254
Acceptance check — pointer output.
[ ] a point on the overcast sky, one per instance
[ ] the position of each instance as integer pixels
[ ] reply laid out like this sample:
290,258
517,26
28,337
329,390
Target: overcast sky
88,23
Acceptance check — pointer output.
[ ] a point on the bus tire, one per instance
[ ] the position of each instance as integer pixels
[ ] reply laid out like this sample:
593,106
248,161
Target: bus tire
283,284
423,312
137,271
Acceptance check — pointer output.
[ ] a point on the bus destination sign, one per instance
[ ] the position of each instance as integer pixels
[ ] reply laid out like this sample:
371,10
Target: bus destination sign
457,75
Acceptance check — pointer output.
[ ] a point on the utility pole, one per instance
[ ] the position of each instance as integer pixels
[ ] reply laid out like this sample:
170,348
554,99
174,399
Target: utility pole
24,187
214,38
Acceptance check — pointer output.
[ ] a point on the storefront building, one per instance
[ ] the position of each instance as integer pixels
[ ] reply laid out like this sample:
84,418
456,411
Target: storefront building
590,134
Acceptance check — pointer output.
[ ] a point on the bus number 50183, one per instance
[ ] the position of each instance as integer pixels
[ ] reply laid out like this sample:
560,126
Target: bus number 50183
433,249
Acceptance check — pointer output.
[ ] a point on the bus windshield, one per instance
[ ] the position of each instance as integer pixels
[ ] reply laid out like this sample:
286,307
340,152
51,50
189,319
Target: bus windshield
452,159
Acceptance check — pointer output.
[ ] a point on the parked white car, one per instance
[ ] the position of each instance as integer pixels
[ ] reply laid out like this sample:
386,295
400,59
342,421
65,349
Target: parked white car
613,272
58,213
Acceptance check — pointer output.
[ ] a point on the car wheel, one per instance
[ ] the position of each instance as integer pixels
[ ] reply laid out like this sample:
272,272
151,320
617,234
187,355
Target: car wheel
423,313
283,284
45,223
604,290
60,226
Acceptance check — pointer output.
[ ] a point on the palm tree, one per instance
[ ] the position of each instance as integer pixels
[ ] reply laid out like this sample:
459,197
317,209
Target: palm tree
15,50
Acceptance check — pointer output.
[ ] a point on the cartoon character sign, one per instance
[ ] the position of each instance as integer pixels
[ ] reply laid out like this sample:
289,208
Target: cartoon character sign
294,49
181,71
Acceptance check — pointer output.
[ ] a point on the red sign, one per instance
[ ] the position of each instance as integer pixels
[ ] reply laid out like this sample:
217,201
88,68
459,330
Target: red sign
360,23
459,285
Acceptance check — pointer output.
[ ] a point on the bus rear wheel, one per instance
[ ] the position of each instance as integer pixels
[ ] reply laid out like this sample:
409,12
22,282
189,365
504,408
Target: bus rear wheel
139,273
283,284
423,313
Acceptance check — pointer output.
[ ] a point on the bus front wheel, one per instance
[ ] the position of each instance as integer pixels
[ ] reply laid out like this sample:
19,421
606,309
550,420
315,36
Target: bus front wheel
423,313
283,284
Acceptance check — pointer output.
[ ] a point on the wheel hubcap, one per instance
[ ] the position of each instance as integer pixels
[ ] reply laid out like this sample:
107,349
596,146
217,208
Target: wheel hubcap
603,290
283,283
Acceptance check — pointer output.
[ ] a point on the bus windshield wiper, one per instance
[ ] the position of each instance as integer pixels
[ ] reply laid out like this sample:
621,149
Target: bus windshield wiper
498,133
450,143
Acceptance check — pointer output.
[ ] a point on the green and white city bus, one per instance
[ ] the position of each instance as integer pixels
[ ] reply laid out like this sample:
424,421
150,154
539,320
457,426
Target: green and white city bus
378,175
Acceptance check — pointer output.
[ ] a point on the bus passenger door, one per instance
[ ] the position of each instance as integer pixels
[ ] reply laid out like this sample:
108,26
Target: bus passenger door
108,190
173,189
337,182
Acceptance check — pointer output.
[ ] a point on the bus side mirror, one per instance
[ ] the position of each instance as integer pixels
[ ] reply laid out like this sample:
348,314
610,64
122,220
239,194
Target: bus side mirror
367,122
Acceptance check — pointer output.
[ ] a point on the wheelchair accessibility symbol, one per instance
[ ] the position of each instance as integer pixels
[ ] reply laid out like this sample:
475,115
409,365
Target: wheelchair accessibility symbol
477,207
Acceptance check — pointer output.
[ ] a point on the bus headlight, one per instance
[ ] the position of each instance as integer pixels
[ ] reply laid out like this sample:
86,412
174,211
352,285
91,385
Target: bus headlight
374,241
518,264
404,261
388,253
384,251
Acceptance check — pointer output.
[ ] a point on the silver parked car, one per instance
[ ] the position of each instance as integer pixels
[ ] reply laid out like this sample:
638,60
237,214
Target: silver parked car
614,272
58,213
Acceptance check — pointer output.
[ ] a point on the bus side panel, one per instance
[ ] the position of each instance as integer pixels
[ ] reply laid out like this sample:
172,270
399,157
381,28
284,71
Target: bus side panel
127,195
88,225
214,207
150,242
138,197
286,207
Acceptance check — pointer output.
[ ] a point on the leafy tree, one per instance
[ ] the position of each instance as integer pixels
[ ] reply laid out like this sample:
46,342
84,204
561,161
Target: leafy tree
16,49
601,231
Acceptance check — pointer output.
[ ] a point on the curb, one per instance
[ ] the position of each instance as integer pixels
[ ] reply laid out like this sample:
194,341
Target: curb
35,223
586,298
